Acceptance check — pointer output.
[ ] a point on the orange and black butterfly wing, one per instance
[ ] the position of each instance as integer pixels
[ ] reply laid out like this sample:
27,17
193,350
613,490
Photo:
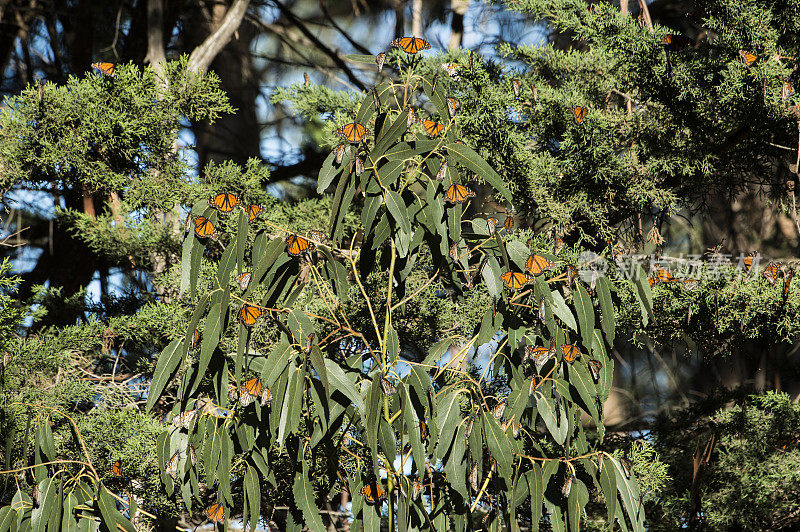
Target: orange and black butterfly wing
297,245
249,314
105,68
253,211
579,112
216,512
203,227
116,469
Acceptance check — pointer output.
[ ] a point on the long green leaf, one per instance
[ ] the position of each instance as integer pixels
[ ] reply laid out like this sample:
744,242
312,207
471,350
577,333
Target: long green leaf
468,157
585,311
607,314
168,362
397,208
108,509
304,499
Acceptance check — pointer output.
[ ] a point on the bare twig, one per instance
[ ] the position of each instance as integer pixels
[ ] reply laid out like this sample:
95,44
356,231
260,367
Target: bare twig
203,55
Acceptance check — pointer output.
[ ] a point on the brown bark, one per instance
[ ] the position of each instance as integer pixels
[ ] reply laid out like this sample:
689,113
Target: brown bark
459,8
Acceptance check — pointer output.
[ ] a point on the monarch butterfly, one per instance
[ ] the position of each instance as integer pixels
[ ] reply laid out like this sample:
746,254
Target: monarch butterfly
458,194
689,283
353,132
412,118
338,152
233,393
451,69
243,280
567,487
537,264
249,314
626,466
253,211
318,236
216,512
440,175
676,42
184,419
388,387
508,224
224,202
116,469
499,410
748,260
540,355
453,105
788,281
542,313
423,431
105,68
192,454
572,273
571,353
380,59
359,166
373,492
432,127
203,228
417,489
454,251
473,477
579,112
516,86
771,272
748,58
195,338
250,390
558,245
493,223
297,245
266,397
536,381
516,281
306,79
594,368
786,91
376,101
411,45
171,467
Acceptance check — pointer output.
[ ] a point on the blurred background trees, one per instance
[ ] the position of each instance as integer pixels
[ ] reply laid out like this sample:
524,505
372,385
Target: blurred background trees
714,166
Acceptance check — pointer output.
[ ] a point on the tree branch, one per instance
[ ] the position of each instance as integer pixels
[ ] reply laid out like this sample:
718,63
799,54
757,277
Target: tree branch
156,52
327,51
203,55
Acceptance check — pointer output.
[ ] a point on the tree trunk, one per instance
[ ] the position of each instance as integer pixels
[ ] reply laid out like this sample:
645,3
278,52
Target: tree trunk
459,8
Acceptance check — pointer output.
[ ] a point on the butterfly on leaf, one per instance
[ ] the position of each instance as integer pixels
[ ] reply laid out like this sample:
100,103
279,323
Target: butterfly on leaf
772,271
660,276
473,477
297,245
318,236
184,419
540,355
217,411
537,264
380,59
353,132
171,467
493,224
440,175
787,90
250,391
516,281
508,224
116,469
243,280
579,113
536,381
594,368
453,105
204,228
417,489
411,45
105,68
499,410
748,58
388,387
567,487
373,492
432,127
253,211
748,260
359,166
249,314
376,100
626,466
516,86
412,118
215,512
571,352
542,311
451,69
224,202
690,283
457,194
195,339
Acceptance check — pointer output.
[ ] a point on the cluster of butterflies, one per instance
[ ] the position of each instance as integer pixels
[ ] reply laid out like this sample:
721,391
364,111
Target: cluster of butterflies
224,203
535,265
676,43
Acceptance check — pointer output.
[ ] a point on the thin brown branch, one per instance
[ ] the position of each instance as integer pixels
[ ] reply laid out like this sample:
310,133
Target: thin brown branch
203,55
